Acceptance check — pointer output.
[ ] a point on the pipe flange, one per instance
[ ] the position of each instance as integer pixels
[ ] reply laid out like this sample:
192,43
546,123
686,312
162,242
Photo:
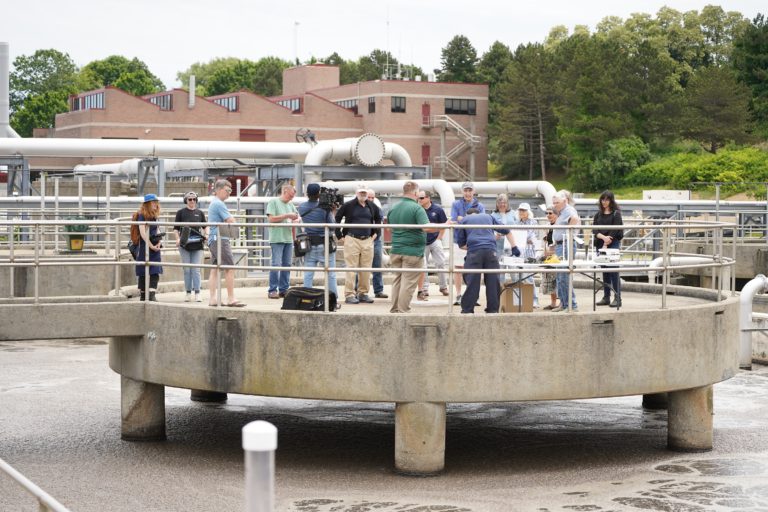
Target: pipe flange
368,149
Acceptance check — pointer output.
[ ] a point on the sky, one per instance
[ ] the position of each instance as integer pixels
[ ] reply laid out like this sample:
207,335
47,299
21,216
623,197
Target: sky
170,35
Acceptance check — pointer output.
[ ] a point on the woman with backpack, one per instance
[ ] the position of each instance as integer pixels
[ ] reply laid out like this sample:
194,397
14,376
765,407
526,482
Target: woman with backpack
608,214
148,236
190,241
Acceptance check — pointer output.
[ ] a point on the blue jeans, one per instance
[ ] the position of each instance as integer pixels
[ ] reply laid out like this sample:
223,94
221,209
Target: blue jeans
612,280
562,278
191,274
282,256
315,257
483,258
378,279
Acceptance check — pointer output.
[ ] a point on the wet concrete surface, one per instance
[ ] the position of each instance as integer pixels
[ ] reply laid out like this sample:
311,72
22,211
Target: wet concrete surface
60,426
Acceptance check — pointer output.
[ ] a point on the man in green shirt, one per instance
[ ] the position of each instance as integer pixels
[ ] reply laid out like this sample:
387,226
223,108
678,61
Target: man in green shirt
281,210
407,250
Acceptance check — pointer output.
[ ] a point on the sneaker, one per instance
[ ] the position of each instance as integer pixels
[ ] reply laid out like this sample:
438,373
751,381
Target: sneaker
281,294
198,298
381,295
273,295
188,297
365,299
352,300
421,296
616,303
605,301
457,302
444,291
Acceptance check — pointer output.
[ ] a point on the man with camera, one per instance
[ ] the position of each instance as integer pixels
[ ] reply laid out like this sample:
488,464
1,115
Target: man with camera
314,211
358,243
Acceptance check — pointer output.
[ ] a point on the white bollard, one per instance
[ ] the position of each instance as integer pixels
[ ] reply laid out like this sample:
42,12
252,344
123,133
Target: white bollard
259,443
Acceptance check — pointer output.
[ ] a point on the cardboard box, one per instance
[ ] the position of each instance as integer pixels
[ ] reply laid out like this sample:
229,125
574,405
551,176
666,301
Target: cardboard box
510,298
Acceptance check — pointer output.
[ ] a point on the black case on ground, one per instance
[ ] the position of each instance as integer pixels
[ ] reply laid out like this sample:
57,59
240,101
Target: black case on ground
308,299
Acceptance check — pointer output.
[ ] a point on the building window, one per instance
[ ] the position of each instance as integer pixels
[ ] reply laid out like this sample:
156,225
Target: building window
398,103
293,104
228,102
87,102
460,107
348,104
164,101
371,105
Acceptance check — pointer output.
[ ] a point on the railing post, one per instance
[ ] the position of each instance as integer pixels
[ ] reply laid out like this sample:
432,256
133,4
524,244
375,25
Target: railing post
665,264
37,263
451,275
259,443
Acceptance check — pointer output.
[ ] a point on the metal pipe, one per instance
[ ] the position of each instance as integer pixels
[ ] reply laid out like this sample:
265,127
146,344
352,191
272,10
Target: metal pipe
46,501
440,187
5,104
259,443
752,288
397,154
530,188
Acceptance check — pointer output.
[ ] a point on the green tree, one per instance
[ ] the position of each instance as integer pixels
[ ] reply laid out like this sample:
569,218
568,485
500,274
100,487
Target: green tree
44,71
717,108
750,59
203,72
234,77
268,76
490,70
458,61
39,111
137,83
106,72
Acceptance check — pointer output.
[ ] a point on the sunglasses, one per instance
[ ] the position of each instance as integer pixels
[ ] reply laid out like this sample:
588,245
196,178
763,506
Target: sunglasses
422,197
191,199
550,213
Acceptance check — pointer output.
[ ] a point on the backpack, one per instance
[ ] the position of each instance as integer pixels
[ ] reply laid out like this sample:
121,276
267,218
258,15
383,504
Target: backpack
135,238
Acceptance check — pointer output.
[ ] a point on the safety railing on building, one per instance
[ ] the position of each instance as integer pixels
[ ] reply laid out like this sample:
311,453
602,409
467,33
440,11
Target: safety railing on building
37,253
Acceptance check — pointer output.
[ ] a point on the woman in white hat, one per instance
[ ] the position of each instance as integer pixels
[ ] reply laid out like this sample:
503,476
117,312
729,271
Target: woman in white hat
528,250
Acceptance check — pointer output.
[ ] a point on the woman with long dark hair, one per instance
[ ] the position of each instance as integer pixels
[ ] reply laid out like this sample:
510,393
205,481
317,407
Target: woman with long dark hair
609,237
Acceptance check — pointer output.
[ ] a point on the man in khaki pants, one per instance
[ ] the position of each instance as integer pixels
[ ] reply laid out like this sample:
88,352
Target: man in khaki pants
358,243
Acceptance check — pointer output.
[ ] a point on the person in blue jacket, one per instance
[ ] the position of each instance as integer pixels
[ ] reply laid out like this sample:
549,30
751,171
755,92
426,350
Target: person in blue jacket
480,245
459,210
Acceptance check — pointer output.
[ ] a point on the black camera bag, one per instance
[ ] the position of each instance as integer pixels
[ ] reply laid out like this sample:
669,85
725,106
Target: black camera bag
308,299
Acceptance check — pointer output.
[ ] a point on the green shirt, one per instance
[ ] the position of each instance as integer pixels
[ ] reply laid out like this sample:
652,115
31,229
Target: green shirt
280,235
408,242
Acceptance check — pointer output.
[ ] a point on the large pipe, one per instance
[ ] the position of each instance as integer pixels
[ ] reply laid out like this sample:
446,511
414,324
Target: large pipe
367,150
5,104
524,188
131,166
440,187
676,261
56,147
397,154
757,285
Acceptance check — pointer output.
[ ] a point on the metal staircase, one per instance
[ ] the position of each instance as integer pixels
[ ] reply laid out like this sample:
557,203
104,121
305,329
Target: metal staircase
467,141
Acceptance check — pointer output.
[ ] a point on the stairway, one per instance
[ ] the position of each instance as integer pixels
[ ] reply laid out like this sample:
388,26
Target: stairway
467,140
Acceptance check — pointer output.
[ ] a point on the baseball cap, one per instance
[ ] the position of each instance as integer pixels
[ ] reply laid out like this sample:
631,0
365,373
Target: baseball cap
150,197
468,184
361,189
190,195
313,189
524,206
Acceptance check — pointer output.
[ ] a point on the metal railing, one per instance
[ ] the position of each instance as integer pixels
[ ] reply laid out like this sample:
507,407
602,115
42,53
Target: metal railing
46,502
37,253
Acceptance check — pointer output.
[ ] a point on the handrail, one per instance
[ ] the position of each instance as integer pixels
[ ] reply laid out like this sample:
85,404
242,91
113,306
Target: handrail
45,500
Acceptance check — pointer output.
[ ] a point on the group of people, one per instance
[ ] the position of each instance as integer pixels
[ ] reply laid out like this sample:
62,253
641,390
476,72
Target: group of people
481,246
190,241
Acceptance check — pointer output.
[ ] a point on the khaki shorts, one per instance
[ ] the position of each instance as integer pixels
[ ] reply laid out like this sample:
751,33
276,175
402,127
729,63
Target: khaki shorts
458,256
226,252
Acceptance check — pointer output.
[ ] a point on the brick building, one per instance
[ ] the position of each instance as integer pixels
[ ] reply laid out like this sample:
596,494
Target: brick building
439,124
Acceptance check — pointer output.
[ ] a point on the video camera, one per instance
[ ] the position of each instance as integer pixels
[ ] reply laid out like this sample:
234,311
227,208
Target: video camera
330,198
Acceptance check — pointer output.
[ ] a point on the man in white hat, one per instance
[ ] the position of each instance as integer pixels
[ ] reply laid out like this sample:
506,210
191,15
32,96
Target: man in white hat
358,243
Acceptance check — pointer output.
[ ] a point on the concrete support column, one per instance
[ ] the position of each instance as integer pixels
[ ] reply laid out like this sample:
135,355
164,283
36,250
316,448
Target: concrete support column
655,401
142,407
198,395
689,420
419,437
